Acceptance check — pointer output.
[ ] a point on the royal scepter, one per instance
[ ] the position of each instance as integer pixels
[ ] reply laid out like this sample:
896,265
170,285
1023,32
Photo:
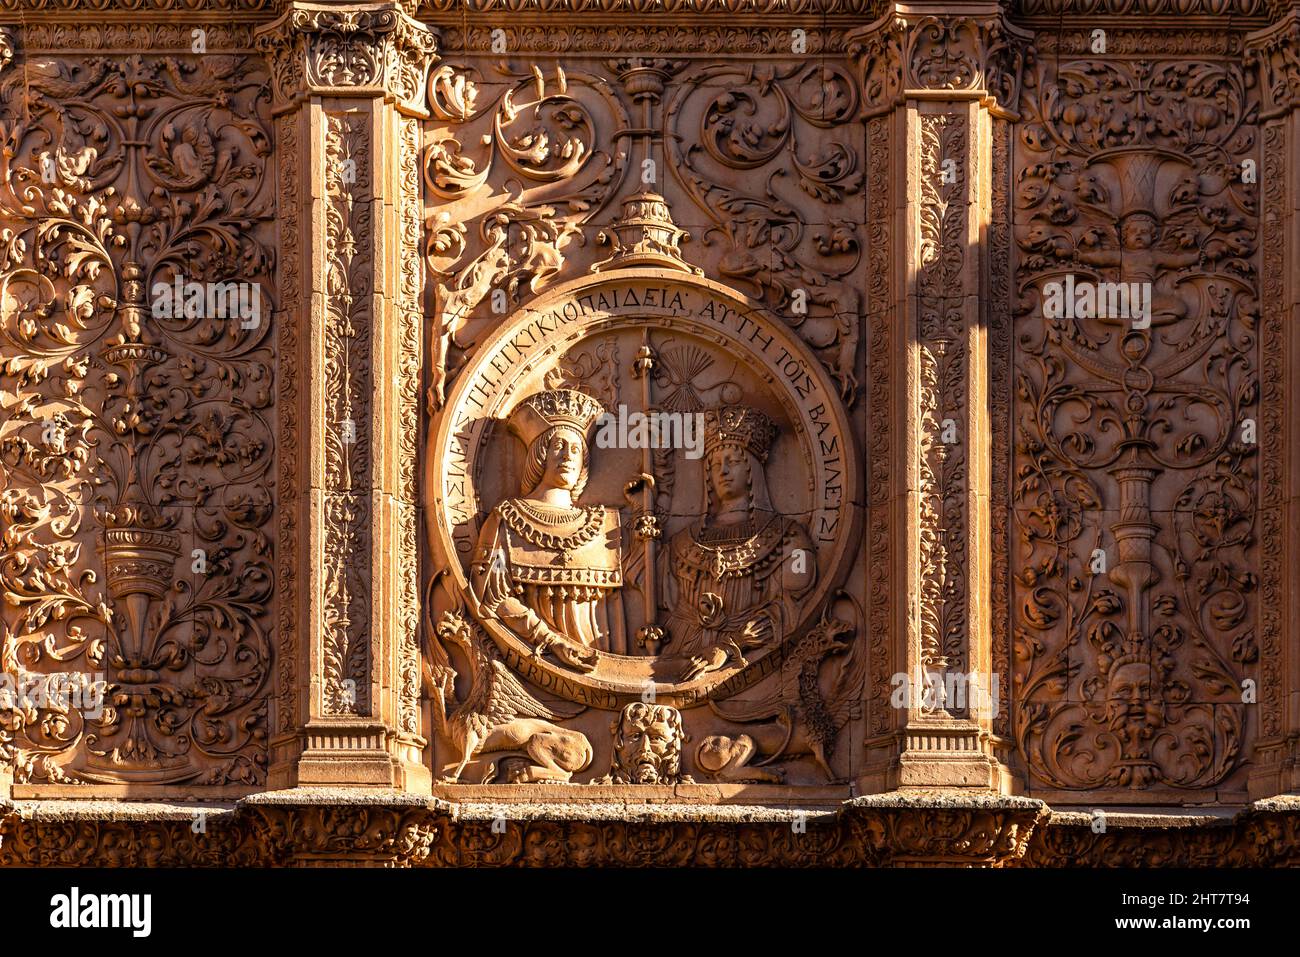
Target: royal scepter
651,635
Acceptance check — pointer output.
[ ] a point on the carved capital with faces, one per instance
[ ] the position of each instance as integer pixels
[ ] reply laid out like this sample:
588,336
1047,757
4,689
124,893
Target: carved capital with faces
372,49
909,53
1275,52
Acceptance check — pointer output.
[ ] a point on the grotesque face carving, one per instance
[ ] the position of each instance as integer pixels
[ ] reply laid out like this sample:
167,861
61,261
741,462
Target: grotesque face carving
1131,696
1134,705
647,745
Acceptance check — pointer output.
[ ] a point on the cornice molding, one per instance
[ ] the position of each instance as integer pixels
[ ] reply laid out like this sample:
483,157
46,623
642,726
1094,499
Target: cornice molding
1249,12
871,8
1268,9
711,40
133,8
287,830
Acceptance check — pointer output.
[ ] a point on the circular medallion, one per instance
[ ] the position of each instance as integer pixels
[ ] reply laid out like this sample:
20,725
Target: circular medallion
642,486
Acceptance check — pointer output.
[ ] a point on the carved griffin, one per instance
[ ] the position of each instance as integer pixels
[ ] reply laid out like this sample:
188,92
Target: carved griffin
796,718
498,714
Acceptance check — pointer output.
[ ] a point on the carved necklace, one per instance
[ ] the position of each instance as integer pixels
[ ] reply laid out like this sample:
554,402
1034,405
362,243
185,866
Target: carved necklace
523,518
734,551
728,534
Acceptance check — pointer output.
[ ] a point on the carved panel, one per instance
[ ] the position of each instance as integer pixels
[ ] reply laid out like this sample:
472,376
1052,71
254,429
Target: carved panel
882,438
410,370
348,387
999,352
1136,557
633,234
137,418
1274,423
289,385
942,353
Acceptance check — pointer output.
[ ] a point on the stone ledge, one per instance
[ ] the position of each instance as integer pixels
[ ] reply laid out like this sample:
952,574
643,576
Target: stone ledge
345,796
637,813
100,810
384,828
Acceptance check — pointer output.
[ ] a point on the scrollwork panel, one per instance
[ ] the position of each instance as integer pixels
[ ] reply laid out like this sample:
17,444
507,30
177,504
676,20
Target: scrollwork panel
1134,462
137,417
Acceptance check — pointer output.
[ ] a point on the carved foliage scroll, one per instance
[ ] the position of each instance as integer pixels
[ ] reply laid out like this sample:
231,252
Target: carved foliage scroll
1136,549
773,157
942,354
882,435
348,390
137,422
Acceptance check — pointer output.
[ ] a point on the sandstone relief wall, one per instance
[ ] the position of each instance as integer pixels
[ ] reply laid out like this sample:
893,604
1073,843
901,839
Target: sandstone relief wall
803,406
1136,554
698,207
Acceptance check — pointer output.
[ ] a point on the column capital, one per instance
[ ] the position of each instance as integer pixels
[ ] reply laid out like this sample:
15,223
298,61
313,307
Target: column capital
373,49
1275,52
938,51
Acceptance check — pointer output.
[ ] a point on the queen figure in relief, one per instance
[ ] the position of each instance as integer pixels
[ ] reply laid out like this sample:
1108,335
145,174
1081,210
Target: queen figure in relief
549,569
735,578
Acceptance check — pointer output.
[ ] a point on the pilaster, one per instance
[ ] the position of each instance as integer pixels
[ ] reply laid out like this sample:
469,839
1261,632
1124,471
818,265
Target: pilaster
1274,52
350,92
937,78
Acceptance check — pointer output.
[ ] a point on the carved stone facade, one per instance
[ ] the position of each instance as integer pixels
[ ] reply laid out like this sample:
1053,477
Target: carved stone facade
717,433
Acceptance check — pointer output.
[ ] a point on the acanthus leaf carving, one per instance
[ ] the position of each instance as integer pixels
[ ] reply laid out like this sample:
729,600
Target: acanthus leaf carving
942,523
315,47
520,243
755,127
